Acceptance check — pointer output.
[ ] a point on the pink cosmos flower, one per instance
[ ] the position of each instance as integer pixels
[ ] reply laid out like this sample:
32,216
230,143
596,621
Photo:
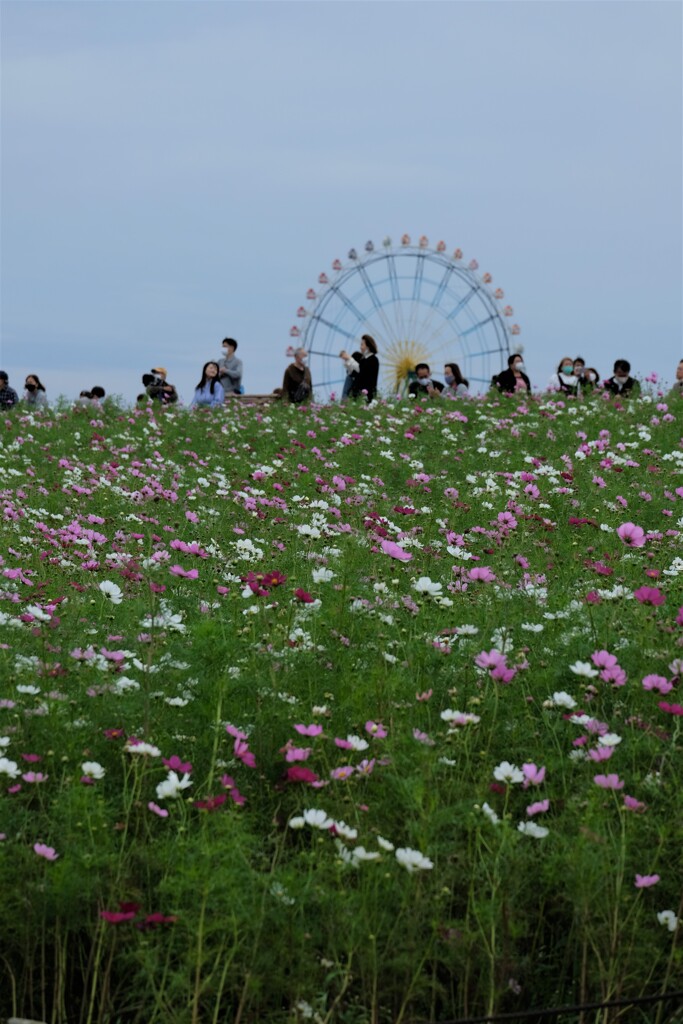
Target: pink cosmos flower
601,753
659,683
34,777
483,573
671,709
299,773
342,773
376,729
424,696
423,737
489,659
48,852
631,535
117,916
631,804
309,730
540,807
161,812
298,754
175,764
395,550
645,881
241,750
603,659
189,574
650,595
533,776
611,781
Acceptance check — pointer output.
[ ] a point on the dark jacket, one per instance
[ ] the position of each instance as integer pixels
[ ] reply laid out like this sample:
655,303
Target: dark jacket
628,388
366,378
506,381
419,390
291,383
8,397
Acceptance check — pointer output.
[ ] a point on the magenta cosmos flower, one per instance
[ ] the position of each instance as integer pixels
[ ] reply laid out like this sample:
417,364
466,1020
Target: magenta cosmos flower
649,595
395,551
632,535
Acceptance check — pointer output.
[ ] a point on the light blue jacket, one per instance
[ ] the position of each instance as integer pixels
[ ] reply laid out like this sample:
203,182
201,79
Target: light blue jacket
203,396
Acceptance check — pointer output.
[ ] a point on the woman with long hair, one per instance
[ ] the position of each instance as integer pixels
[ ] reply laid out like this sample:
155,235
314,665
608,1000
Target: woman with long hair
35,395
364,371
209,391
457,386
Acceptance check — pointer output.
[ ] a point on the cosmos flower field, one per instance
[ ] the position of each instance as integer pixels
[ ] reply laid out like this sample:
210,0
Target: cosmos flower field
343,714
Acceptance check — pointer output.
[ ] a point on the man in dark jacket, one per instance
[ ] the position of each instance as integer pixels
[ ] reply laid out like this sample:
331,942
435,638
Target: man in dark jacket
622,383
8,396
424,386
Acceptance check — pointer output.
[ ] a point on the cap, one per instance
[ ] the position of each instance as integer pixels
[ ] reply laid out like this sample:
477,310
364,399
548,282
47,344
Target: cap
159,369
3,375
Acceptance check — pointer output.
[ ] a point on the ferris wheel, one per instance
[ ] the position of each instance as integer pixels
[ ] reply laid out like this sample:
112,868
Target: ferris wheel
419,303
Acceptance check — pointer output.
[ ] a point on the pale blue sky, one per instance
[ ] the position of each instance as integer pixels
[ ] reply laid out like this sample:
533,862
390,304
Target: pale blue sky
173,173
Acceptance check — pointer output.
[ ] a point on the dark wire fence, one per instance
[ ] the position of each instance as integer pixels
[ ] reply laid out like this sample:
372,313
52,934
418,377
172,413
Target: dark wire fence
519,1015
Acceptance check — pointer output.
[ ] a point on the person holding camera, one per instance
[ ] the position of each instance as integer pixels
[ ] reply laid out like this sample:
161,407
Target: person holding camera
156,387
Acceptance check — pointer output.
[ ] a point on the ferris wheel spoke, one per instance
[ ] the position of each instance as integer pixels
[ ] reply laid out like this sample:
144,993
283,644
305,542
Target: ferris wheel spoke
417,292
335,327
396,294
350,305
388,327
474,327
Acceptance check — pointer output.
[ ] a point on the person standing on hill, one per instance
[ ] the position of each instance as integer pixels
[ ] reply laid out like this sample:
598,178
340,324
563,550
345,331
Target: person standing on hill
297,385
363,372
230,368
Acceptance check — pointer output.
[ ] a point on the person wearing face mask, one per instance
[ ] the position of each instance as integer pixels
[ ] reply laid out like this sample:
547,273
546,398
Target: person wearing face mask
513,379
456,385
230,368
297,386
564,379
587,376
424,386
35,395
621,382
364,371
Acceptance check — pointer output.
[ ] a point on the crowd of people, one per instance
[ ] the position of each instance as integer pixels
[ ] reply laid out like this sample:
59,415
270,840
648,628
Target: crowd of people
222,377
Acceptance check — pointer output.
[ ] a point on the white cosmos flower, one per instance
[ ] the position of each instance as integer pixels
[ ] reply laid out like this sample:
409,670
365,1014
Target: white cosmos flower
583,668
5,741
562,699
530,828
413,860
93,769
172,786
506,772
112,591
323,575
533,627
37,612
426,586
668,918
360,854
490,814
297,822
317,819
31,691
140,747
610,739
385,844
357,743
345,831
9,768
